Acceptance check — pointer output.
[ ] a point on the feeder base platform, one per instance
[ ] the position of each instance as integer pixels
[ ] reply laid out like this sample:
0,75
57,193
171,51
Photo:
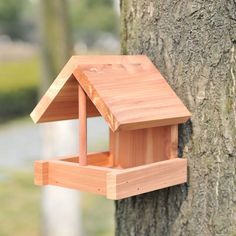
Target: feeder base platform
100,177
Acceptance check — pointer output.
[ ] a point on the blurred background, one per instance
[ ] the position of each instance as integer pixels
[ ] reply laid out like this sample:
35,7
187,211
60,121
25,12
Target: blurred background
37,37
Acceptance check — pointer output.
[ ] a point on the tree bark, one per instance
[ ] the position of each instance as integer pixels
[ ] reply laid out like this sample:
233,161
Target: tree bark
193,44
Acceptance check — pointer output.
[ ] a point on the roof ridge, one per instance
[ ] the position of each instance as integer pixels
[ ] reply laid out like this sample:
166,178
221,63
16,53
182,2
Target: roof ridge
94,96
109,81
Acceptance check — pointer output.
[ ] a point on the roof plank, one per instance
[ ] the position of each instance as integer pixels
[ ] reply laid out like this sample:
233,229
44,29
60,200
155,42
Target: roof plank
128,91
61,99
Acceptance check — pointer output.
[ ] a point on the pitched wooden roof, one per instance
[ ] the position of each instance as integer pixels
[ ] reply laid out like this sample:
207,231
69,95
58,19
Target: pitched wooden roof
128,91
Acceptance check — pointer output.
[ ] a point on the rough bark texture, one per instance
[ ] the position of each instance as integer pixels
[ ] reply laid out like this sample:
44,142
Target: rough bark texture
193,44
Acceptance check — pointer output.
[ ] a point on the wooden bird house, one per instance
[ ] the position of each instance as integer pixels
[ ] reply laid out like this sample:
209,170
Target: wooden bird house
142,112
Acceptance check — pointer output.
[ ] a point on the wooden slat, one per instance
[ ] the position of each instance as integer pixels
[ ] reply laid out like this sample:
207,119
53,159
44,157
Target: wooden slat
128,91
41,172
130,96
60,102
173,141
97,159
41,169
131,148
82,127
71,175
112,182
142,179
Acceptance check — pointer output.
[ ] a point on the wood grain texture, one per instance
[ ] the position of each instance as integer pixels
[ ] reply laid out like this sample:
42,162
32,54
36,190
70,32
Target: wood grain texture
66,172
60,102
96,158
131,148
100,178
173,149
137,180
41,172
128,91
82,126
71,175
131,94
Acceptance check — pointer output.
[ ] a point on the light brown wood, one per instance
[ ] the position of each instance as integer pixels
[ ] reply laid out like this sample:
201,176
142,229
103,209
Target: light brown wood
128,91
82,127
97,159
85,178
41,172
131,148
173,141
111,182
61,103
142,112
146,178
131,95
66,172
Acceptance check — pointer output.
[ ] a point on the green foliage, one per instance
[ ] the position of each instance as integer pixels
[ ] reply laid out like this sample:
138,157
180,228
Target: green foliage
89,18
97,213
19,204
11,12
18,88
15,104
18,74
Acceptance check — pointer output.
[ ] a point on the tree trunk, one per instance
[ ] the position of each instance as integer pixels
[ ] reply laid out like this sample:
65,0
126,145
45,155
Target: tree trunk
60,207
193,44
56,45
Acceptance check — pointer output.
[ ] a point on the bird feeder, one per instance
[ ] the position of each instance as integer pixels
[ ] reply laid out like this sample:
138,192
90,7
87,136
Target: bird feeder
142,112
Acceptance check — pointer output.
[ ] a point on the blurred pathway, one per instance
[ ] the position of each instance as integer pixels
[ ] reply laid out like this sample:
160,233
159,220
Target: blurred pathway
21,141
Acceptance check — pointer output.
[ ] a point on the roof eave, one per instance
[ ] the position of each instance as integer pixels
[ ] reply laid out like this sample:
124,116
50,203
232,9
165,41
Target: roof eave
153,123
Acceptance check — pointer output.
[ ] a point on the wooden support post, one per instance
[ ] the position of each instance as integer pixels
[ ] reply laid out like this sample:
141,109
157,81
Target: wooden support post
82,127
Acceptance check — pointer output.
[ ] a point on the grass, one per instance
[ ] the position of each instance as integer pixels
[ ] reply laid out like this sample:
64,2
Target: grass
19,80
19,204
20,208
19,74
98,215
